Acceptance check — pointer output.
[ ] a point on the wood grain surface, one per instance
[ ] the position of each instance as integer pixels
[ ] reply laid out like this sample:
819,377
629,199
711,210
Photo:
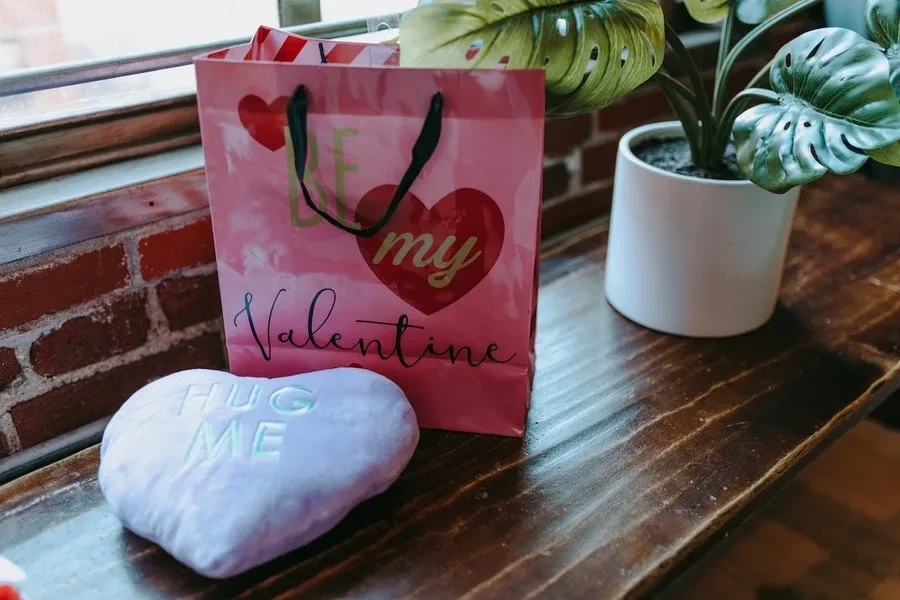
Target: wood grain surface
642,450
42,150
832,534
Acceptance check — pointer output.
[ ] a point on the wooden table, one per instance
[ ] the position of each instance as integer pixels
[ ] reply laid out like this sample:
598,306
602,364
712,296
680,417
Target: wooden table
643,450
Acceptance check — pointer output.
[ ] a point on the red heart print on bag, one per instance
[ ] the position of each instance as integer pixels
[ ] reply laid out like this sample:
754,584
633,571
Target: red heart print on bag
264,121
431,257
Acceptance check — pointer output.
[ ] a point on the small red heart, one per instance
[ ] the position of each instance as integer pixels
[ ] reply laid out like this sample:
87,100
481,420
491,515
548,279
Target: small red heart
264,121
8,592
431,258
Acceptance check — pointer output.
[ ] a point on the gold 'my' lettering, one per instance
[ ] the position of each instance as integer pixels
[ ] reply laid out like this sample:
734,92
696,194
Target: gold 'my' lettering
449,268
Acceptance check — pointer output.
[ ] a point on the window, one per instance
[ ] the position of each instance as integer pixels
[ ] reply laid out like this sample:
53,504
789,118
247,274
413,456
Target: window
44,33
336,10
89,82
67,127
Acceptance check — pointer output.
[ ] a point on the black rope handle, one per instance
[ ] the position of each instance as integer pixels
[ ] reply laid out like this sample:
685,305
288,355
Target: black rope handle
424,147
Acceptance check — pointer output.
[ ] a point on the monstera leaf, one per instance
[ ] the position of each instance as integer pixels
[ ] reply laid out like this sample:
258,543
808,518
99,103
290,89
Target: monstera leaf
747,11
593,52
835,101
883,19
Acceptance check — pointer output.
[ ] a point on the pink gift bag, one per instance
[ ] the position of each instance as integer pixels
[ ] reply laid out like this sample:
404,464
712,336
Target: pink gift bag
380,217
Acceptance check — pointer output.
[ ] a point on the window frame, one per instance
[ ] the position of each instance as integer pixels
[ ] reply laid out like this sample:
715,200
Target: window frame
49,149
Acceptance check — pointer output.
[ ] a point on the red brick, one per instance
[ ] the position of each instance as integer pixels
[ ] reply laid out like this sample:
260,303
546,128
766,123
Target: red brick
556,181
741,75
187,301
705,55
599,162
71,406
783,34
121,325
639,108
29,295
709,82
4,446
9,366
175,249
562,136
561,216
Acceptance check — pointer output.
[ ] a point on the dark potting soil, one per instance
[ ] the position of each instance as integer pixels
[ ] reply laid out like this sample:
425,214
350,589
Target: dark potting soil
674,155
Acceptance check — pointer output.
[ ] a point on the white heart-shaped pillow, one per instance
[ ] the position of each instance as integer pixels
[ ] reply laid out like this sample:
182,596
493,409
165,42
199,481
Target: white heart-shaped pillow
226,472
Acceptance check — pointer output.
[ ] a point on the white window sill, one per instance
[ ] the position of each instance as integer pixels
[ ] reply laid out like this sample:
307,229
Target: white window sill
40,217
47,195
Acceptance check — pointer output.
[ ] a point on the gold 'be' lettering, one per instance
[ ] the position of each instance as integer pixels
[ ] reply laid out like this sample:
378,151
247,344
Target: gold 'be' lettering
341,168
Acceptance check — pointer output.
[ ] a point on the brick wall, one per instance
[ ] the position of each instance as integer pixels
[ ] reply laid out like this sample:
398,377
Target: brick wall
580,151
84,327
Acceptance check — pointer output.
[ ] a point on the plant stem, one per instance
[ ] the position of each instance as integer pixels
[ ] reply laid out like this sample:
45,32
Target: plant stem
724,47
748,39
733,110
704,109
737,104
686,115
664,79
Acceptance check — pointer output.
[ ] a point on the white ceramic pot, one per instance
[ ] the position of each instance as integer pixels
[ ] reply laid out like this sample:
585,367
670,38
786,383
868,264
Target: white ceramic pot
693,257
849,14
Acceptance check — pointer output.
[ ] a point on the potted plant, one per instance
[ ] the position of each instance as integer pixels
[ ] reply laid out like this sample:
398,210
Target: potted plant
702,208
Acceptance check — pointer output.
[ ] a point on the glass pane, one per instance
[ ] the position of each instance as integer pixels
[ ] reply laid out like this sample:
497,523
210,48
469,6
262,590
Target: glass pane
37,33
51,105
41,33
339,10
